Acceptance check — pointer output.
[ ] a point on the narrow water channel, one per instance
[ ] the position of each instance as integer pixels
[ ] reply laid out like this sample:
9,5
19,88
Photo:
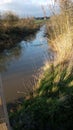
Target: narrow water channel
20,65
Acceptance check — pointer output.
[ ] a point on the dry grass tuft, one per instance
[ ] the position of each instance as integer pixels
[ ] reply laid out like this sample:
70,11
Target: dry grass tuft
60,32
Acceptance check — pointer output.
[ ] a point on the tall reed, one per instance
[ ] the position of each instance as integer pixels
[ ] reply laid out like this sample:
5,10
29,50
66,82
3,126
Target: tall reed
60,30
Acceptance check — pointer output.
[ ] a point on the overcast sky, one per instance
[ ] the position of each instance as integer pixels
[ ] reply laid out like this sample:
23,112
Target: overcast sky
26,7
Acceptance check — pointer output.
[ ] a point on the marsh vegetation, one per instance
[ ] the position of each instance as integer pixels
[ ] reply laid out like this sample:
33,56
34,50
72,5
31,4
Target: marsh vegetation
13,29
50,105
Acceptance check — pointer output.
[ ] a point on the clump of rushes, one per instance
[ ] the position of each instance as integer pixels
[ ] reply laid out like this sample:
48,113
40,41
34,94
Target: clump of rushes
51,106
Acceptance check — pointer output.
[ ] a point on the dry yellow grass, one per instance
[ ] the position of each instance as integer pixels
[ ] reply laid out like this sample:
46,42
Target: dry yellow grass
60,33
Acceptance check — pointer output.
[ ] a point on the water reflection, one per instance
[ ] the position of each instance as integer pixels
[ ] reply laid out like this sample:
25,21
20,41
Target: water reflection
30,38
20,64
14,53
8,56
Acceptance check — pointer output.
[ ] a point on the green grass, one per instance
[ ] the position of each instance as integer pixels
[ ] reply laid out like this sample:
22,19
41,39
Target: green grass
52,107
39,21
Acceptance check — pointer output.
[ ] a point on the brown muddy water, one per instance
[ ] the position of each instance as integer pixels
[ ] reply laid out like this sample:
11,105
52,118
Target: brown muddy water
20,65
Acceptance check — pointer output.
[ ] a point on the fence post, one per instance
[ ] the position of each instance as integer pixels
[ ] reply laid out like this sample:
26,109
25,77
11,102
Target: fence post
4,105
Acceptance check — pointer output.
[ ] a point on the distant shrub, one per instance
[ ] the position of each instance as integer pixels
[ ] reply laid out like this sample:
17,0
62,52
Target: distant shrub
10,16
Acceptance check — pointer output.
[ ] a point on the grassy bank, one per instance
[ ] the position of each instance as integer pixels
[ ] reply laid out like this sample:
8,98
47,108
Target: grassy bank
50,107
13,30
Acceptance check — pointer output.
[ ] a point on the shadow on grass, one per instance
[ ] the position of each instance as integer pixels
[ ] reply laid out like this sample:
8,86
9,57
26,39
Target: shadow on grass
52,107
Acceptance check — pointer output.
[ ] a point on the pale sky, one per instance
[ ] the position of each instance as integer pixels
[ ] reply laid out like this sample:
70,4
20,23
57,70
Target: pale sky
26,7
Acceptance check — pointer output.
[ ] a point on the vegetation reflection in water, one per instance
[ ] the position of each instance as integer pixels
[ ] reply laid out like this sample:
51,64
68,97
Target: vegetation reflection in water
21,63
14,53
